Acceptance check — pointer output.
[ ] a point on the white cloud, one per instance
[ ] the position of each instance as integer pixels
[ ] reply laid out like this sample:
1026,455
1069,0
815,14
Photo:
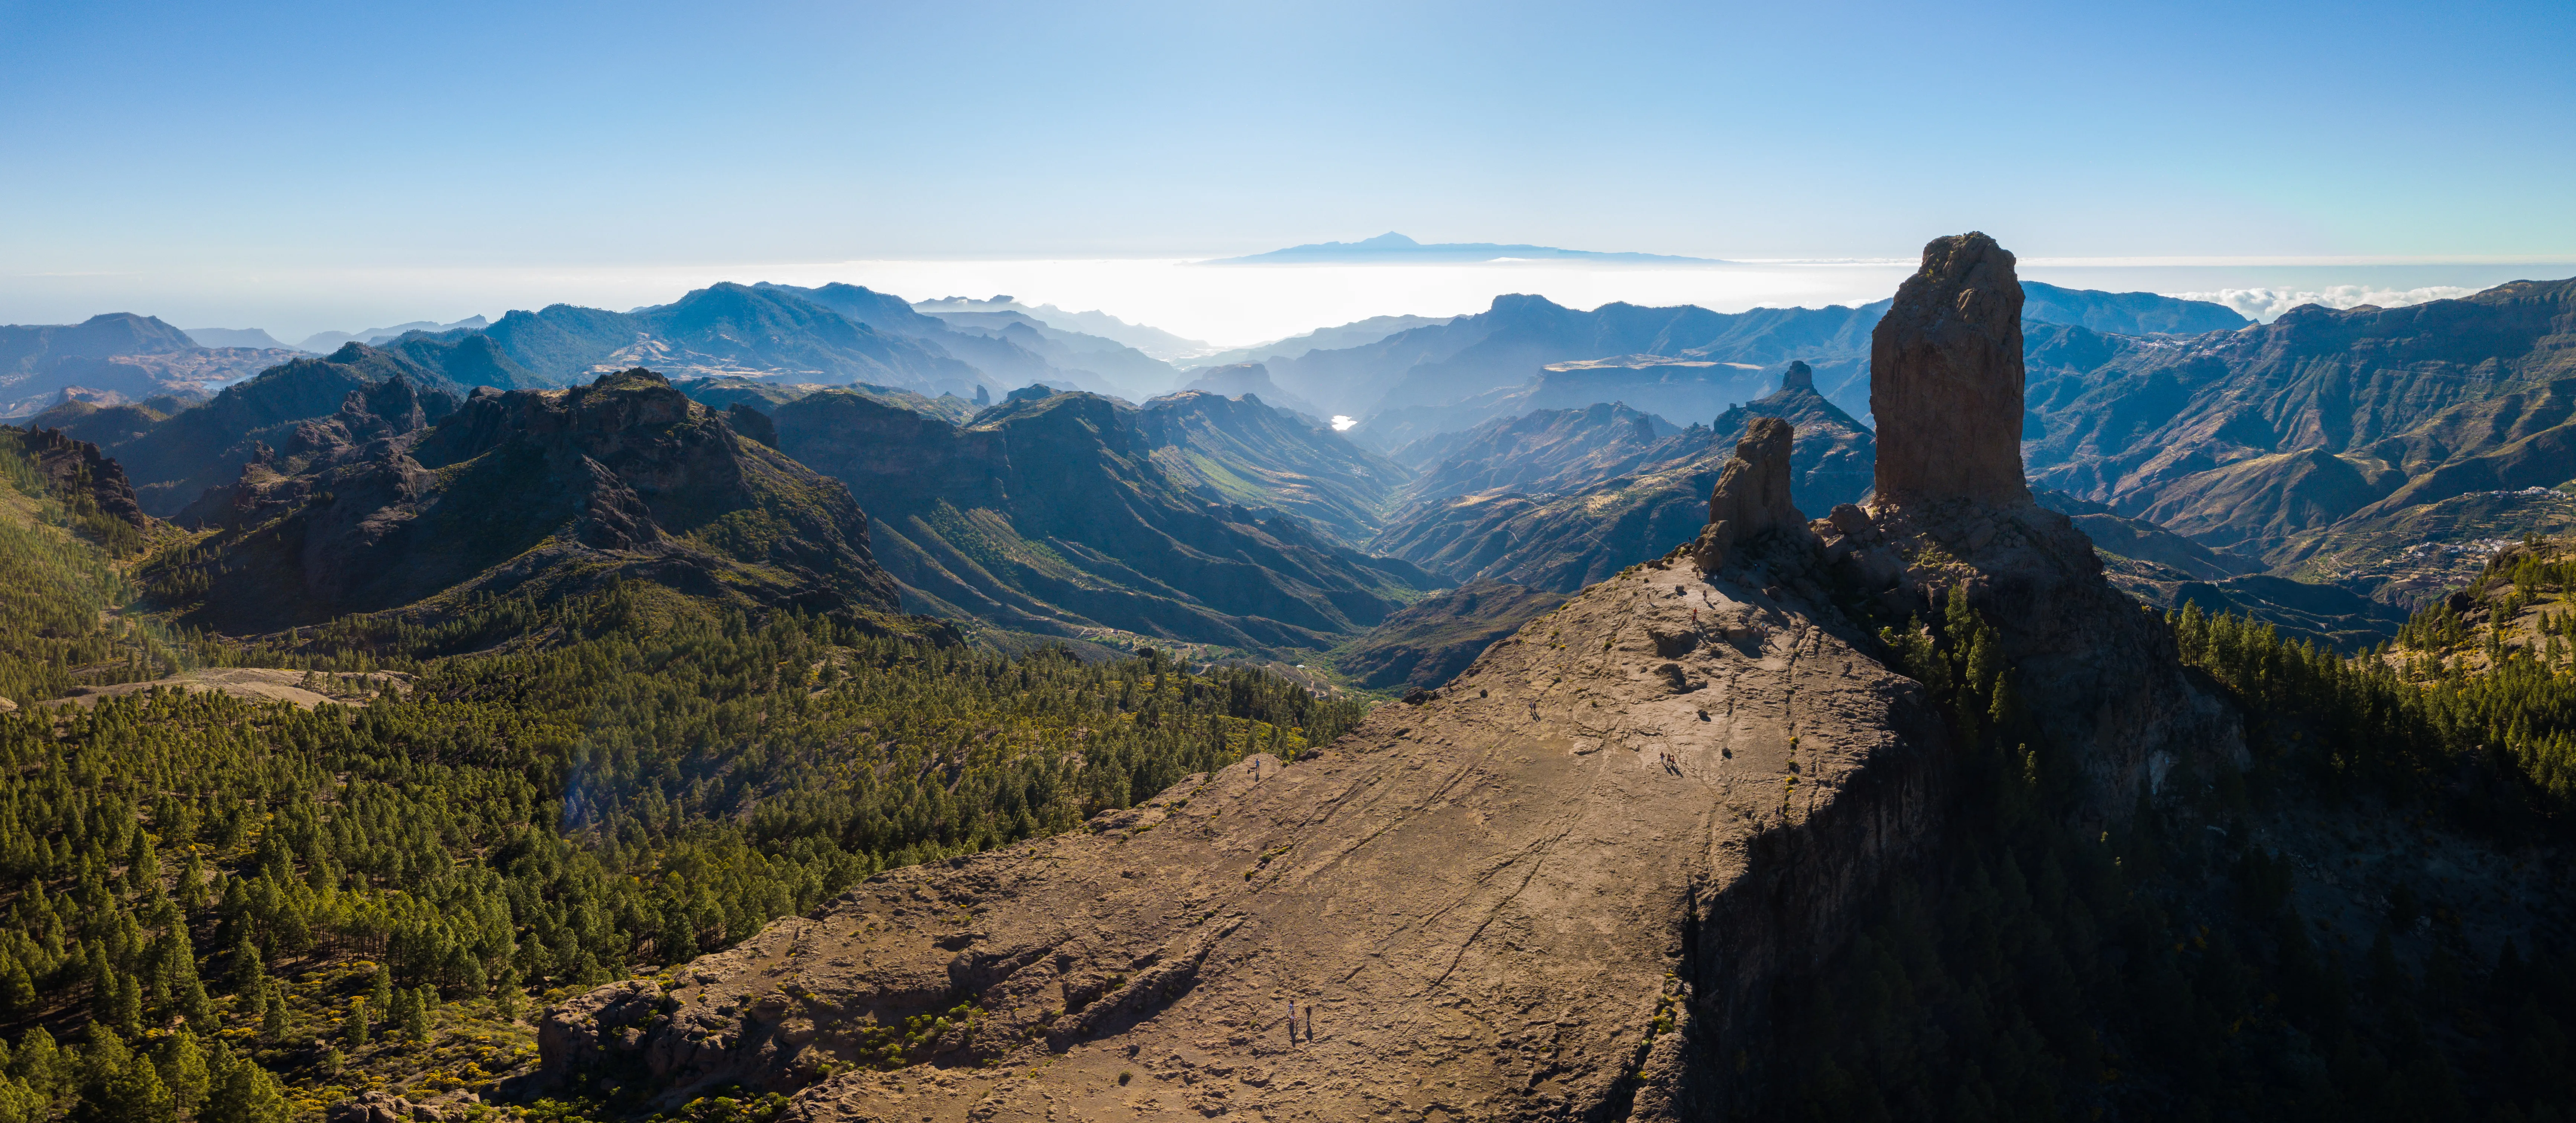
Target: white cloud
2267,305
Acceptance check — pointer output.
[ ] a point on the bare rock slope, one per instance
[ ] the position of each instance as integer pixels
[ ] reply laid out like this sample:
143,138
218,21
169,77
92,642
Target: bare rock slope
1560,887
1484,906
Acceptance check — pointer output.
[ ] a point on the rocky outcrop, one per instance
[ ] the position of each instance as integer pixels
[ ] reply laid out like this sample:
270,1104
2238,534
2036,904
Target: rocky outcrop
1751,499
79,473
1945,383
381,1107
1951,510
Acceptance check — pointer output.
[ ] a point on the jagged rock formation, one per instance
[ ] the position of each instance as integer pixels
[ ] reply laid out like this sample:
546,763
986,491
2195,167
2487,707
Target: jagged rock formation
77,468
1560,887
178,459
1751,499
548,492
1620,503
1947,360
1952,509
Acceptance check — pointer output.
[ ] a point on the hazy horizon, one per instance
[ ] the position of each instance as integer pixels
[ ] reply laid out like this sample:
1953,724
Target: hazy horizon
1224,306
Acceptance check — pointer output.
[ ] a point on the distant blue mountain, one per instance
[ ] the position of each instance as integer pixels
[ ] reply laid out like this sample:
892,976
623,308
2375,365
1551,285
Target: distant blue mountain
1396,249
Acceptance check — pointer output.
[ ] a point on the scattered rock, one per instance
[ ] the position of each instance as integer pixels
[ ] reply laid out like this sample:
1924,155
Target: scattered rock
381,1107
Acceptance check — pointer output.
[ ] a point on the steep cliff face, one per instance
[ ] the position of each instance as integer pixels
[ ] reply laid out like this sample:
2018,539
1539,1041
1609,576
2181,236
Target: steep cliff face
1562,886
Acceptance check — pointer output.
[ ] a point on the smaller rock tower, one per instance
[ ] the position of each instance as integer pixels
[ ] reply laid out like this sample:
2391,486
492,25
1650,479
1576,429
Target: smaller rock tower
1751,498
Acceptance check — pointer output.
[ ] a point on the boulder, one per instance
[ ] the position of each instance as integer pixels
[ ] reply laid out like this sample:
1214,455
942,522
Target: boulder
380,1107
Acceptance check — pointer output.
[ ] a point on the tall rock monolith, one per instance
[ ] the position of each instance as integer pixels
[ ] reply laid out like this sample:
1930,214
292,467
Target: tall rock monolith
1945,378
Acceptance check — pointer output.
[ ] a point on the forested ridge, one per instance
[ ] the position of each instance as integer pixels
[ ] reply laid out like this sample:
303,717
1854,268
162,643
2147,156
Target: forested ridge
224,909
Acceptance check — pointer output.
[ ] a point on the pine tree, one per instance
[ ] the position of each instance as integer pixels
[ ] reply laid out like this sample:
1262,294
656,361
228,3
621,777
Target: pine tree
195,1005
416,1019
20,1103
356,1029
40,1064
183,1070
506,994
272,1014
101,1076
240,1091
129,1005
247,970
17,990
399,1012
138,1096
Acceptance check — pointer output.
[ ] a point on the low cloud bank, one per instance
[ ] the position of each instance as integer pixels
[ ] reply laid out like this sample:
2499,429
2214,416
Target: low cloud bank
2268,304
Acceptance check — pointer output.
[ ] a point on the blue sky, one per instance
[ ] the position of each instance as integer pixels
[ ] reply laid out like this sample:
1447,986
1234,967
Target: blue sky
261,139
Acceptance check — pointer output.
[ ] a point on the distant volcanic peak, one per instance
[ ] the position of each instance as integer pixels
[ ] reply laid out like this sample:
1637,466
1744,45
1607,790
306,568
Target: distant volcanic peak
1799,376
1946,378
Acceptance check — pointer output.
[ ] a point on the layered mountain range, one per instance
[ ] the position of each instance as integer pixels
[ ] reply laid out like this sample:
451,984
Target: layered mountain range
1054,513
2309,441
1600,492
2368,449
114,359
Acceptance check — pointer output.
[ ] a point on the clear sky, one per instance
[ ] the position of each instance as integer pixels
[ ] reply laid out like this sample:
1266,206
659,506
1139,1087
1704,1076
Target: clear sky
193,147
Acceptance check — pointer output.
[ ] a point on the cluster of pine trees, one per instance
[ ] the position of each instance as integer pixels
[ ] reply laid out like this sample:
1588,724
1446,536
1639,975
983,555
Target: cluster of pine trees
214,902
